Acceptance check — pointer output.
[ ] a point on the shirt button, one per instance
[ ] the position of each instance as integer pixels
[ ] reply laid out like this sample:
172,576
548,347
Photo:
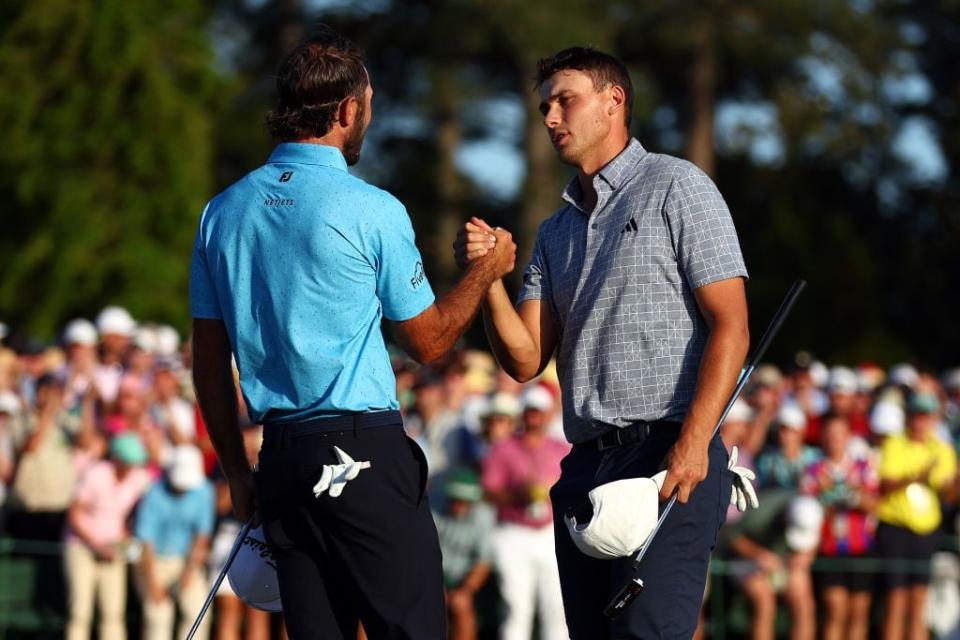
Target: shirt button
594,225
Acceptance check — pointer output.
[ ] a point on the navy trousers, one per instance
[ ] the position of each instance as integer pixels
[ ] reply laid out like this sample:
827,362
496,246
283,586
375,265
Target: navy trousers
674,570
372,553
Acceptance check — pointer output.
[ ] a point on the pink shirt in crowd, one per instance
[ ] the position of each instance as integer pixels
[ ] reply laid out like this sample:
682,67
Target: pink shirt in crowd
511,465
105,503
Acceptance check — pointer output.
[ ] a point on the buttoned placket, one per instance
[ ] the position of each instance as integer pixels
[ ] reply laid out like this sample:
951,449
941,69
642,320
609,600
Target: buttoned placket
594,228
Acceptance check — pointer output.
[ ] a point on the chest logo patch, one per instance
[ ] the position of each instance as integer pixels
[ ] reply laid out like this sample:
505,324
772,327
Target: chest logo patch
285,176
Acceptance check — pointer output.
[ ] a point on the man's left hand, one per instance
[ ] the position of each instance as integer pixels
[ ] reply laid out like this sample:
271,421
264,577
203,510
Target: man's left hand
687,466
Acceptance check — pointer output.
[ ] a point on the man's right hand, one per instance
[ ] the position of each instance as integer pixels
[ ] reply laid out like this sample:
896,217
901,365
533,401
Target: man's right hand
477,242
243,497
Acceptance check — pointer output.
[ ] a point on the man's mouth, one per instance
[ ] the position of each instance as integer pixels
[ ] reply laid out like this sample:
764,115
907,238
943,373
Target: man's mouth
559,138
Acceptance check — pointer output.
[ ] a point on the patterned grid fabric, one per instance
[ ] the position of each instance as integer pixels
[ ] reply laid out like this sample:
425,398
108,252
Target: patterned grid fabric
619,283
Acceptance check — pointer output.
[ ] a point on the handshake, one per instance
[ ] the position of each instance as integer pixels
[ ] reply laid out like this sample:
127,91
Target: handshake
480,246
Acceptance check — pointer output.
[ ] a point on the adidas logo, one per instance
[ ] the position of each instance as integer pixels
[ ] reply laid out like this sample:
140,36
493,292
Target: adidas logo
629,227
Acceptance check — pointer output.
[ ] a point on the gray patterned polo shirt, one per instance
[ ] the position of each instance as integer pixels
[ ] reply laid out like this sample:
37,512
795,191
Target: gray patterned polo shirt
619,284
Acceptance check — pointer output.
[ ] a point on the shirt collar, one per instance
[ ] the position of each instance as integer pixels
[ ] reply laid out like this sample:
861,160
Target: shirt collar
614,173
308,153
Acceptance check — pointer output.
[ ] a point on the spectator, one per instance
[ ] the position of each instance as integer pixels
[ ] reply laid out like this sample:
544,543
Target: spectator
174,524
499,420
465,528
783,466
847,488
116,327
9,411
94,555
517,476
44,479
435,426
915,469
778,541
169,411
80,342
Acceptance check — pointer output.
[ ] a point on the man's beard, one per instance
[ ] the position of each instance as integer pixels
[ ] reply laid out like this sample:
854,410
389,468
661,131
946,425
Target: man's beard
353,144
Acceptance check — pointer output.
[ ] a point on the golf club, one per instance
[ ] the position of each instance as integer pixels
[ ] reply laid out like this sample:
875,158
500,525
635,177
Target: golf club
223,573
633,588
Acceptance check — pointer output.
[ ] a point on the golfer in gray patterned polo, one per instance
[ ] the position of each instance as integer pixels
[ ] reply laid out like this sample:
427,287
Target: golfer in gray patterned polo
637,285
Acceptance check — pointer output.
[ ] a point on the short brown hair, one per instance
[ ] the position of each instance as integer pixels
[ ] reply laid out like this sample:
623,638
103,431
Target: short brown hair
312,81
603,69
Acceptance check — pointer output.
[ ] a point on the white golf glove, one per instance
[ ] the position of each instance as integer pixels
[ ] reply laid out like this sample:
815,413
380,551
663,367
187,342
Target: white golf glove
336,476
743,492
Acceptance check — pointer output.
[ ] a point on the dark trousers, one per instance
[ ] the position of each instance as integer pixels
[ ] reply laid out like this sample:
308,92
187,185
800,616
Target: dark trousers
370,554
674,570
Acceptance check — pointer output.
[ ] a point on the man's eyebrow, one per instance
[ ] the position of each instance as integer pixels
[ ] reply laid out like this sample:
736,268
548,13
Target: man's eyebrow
553,96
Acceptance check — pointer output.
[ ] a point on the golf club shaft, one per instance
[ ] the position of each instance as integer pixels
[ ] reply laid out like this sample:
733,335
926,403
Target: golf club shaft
244,530
627,594
751,364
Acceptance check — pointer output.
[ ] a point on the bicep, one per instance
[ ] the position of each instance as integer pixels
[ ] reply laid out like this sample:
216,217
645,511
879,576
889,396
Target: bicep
723,302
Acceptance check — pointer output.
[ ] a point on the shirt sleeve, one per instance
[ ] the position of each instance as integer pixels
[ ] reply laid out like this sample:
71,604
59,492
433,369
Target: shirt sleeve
536,279
203,293
702,230
402,285
945,468
889,457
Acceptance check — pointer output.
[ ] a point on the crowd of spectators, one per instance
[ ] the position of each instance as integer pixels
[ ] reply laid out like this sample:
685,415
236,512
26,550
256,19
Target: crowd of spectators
103,450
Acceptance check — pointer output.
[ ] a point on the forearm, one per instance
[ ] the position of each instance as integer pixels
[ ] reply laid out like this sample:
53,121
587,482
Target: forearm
511,341
198,554
218,404
475,578
723,359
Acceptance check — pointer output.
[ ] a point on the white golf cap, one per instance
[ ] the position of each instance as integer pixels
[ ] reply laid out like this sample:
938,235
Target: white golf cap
537,398
10,403
80,331
115,321
253,573
625,513
819,374
792,416
843,380
804,522
739,412
903,374
167,340
502,404
887,418
145,338
186,468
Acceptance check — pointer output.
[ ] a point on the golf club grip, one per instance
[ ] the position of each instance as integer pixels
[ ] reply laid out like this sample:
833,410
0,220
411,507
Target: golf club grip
244,530
776,322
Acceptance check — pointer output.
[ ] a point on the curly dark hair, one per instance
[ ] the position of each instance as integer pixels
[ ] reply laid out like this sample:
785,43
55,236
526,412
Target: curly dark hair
312,81
603,69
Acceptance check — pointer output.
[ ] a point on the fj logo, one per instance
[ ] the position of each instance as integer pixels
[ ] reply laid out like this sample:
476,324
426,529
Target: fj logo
418,276
285,176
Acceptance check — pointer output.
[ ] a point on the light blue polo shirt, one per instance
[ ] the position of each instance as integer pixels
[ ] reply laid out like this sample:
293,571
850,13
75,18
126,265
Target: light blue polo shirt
302,261
170,521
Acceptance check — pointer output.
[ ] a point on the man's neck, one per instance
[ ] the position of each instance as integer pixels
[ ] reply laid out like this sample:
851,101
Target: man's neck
330,140
596,161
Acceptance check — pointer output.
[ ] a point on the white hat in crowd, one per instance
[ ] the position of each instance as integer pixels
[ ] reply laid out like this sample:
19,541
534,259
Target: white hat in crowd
904,374
804,521
887,418
185,470
253,573
145,338
819,374
80,331
625,512
9,403
739,412
792,416
843,380
502,404
166,340
116,321
537,398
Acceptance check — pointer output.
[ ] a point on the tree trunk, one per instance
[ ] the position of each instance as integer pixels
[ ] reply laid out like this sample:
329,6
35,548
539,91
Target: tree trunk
449,184
703,85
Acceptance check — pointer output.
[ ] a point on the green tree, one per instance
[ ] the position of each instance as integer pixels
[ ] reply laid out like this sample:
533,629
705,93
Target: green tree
106,160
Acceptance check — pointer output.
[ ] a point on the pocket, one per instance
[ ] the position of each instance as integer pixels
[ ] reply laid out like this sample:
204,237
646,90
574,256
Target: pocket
421,460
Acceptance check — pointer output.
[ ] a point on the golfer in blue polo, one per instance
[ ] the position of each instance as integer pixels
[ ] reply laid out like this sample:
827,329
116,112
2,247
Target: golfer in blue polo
294,267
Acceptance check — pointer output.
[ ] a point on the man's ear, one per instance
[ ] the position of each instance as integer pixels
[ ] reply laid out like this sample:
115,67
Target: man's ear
618,99
347,112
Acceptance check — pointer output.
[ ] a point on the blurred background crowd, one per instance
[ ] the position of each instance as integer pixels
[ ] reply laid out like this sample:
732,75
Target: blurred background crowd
104,456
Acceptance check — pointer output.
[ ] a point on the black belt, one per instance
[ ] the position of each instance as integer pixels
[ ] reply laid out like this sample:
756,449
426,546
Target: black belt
283,432
633,433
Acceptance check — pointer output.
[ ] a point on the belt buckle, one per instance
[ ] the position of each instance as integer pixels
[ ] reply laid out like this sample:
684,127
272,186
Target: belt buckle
602,446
